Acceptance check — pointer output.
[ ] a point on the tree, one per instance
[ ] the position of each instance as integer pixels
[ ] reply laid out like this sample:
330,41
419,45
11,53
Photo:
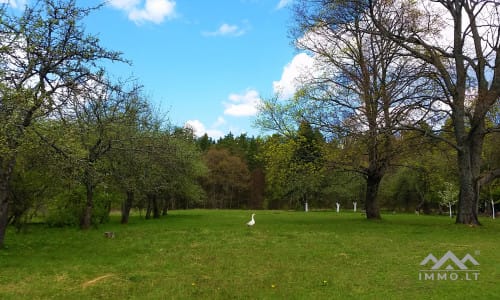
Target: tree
227,179
417,175
307,161
358,90
204,142
460,40
294,168
186,170
44,54
88,128
128,156
33,182
171,168
449,195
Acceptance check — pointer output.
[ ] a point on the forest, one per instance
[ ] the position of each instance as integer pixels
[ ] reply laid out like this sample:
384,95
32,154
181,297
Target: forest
390,122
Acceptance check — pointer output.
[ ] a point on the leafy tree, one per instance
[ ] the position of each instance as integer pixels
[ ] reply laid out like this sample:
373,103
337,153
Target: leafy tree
294,168
187,170
247,149
449,195
418,175
44,54
88,129
171,170
34,181
128,156
227,179
307,161
204,142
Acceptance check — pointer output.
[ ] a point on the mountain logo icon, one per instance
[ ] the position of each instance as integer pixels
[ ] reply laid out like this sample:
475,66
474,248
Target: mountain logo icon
449,262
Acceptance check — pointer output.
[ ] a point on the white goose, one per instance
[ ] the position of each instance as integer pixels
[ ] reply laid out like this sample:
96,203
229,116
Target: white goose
252,221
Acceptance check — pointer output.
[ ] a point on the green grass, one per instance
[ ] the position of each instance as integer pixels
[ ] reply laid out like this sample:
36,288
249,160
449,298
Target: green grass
202,254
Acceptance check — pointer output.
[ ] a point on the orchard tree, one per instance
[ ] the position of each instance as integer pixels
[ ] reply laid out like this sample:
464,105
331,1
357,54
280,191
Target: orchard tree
128,156
171,170
460,41
88,128
44,54
34,181
186,170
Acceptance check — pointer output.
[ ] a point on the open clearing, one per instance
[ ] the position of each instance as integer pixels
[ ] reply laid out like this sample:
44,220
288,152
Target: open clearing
212,254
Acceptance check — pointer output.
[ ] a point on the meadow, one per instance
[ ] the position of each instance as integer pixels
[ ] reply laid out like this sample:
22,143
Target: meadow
212,254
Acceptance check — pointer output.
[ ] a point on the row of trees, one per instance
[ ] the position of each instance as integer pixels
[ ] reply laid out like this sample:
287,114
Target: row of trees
72,139
48,65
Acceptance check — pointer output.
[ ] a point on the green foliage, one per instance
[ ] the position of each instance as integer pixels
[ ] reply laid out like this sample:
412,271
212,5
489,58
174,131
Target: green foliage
47,59
227,181
449,194
66,208
295,168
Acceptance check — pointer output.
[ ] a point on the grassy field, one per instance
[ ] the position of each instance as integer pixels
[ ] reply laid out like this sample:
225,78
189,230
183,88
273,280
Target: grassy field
202,254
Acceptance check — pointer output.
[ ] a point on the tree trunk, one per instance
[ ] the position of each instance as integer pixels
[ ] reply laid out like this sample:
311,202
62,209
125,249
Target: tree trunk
6,171
371,201
86,219
4,211
126,206
469,152
468,196
156,207
149,207
164,211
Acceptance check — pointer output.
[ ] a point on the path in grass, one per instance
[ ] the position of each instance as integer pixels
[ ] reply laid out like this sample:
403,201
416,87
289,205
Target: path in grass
211,254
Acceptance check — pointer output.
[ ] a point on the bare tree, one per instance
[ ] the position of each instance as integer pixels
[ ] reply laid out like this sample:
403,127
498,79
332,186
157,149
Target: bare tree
360,89
460,40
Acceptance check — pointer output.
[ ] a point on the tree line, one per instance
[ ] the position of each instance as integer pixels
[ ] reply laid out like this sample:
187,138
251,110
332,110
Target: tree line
387,120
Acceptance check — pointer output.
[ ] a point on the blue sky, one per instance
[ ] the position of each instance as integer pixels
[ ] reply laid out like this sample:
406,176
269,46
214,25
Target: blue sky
208,63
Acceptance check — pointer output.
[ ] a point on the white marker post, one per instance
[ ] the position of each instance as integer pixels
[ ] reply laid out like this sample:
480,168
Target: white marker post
493,209
306,207
355,204
338,207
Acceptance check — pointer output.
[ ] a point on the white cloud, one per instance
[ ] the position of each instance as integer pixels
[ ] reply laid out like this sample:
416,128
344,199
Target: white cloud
220,121
242,105
146,11
293,72
283,3
226,30
199,128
